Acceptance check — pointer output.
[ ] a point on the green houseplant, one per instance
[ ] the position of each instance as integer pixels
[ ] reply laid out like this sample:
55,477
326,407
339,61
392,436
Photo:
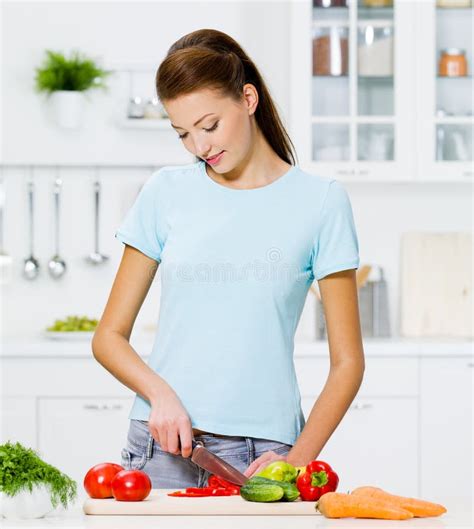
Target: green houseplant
29,487
65,79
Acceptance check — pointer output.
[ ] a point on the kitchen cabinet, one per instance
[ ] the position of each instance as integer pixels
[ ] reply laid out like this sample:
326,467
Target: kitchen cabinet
445,104
372,106
446,407
375,444
377,441
76,433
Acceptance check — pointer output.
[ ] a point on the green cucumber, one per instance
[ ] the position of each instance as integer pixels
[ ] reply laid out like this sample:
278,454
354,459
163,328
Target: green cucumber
261,492
290,491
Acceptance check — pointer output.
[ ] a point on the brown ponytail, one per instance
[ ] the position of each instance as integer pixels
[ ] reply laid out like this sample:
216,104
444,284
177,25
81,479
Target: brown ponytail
208,58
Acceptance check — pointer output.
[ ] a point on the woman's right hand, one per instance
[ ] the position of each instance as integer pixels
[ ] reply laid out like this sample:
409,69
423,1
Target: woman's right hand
170,425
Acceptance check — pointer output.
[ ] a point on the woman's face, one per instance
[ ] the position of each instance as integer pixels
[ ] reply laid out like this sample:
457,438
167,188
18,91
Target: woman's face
209,124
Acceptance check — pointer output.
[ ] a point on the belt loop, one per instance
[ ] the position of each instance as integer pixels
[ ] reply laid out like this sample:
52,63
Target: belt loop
250,450
149,447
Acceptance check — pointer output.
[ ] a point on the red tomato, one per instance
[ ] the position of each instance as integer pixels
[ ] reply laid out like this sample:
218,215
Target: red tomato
98,480
131,485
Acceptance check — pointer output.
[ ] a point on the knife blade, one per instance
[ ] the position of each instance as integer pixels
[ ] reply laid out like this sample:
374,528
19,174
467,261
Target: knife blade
215,465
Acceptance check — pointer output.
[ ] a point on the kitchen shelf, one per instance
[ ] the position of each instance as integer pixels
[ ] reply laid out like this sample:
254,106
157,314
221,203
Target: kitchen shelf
454,120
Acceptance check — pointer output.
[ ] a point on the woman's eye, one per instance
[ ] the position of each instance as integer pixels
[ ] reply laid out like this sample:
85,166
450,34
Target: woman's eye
214,127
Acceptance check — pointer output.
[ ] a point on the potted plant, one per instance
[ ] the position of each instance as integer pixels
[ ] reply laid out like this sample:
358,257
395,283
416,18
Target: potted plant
65,80
29,487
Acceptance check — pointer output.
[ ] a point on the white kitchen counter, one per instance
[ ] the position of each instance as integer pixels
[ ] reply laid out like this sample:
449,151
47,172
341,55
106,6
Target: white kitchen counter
459,516
40,347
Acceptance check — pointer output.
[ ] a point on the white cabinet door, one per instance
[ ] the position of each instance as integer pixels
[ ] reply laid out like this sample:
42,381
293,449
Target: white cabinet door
18,420
77,433
446,427
375,444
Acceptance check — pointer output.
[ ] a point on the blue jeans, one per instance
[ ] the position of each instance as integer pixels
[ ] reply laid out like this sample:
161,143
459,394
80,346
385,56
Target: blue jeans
169,471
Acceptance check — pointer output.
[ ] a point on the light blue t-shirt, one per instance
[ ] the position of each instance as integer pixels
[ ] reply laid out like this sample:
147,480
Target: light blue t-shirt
236,266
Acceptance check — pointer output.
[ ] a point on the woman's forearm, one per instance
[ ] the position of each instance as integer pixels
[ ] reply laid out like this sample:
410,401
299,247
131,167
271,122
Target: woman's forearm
114,352
341,387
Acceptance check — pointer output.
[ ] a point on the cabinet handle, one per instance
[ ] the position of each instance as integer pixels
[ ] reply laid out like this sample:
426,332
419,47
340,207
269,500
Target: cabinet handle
468,173
361,406
103,407
345,172
470,364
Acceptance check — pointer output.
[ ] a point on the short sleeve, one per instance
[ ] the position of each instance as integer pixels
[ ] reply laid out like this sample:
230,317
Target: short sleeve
142,227
336,247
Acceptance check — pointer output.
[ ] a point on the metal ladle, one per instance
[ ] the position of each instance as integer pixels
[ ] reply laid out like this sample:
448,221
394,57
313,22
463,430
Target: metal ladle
96,258
57,266
31,265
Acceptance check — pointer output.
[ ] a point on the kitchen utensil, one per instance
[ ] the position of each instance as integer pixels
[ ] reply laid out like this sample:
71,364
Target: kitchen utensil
215,465
5,258
57,266
159,503
31,266
96,258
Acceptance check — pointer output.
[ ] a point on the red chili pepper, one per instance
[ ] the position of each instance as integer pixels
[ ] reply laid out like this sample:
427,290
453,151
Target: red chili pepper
318,479
197,492
216,481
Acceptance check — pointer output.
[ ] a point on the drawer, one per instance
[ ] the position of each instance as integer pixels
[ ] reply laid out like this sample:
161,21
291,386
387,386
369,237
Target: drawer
388,376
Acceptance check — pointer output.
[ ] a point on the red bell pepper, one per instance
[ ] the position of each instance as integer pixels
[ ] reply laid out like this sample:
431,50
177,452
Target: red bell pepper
318,479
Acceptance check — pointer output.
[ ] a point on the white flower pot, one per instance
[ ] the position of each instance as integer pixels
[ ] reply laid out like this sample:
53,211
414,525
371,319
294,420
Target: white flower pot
26,504
68,108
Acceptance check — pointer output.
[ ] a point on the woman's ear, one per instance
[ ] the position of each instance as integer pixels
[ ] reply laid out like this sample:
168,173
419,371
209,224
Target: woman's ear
250,95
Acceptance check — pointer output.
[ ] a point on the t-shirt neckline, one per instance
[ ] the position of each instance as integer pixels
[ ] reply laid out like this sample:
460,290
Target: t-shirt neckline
217,185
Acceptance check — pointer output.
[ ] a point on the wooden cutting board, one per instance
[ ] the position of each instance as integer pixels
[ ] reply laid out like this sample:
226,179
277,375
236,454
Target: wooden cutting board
158,503
436,284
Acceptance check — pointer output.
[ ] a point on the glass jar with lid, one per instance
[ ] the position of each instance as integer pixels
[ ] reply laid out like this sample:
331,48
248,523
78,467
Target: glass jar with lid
375,51
331,51
452,63
377,3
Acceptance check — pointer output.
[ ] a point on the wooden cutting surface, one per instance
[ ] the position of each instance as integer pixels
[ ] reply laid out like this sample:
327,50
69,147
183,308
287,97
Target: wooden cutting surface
158,503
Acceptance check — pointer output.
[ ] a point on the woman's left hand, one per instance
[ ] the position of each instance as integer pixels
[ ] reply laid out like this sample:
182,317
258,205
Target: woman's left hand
263,461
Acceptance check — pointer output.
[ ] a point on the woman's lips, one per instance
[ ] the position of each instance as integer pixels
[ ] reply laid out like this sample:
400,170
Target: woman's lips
216,159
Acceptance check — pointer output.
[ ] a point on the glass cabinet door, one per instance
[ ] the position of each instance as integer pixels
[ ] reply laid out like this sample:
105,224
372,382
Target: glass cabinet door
454,89
356,91
446,90
330,91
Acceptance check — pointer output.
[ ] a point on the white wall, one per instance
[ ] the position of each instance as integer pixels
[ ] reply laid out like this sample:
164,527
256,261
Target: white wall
119,33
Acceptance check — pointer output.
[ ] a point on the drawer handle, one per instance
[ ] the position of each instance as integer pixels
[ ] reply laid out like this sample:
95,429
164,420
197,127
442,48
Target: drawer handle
103,407
361,406
470,364
468,173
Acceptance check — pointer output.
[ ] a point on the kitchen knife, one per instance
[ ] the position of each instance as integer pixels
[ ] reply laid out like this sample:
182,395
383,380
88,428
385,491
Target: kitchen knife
215,465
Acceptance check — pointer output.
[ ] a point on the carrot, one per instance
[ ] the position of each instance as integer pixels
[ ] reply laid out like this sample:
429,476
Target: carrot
340,505
419,508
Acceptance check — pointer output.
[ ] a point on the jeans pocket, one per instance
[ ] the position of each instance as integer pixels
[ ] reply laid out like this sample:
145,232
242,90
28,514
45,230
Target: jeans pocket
133,458
283,450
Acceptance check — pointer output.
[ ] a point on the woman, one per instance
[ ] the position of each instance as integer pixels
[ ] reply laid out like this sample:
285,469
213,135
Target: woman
239,236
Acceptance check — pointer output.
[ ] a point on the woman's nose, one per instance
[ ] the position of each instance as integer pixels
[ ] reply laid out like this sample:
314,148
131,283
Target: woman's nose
203,148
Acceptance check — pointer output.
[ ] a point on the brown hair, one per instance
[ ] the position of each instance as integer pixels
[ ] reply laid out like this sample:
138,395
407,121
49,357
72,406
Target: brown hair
208,58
